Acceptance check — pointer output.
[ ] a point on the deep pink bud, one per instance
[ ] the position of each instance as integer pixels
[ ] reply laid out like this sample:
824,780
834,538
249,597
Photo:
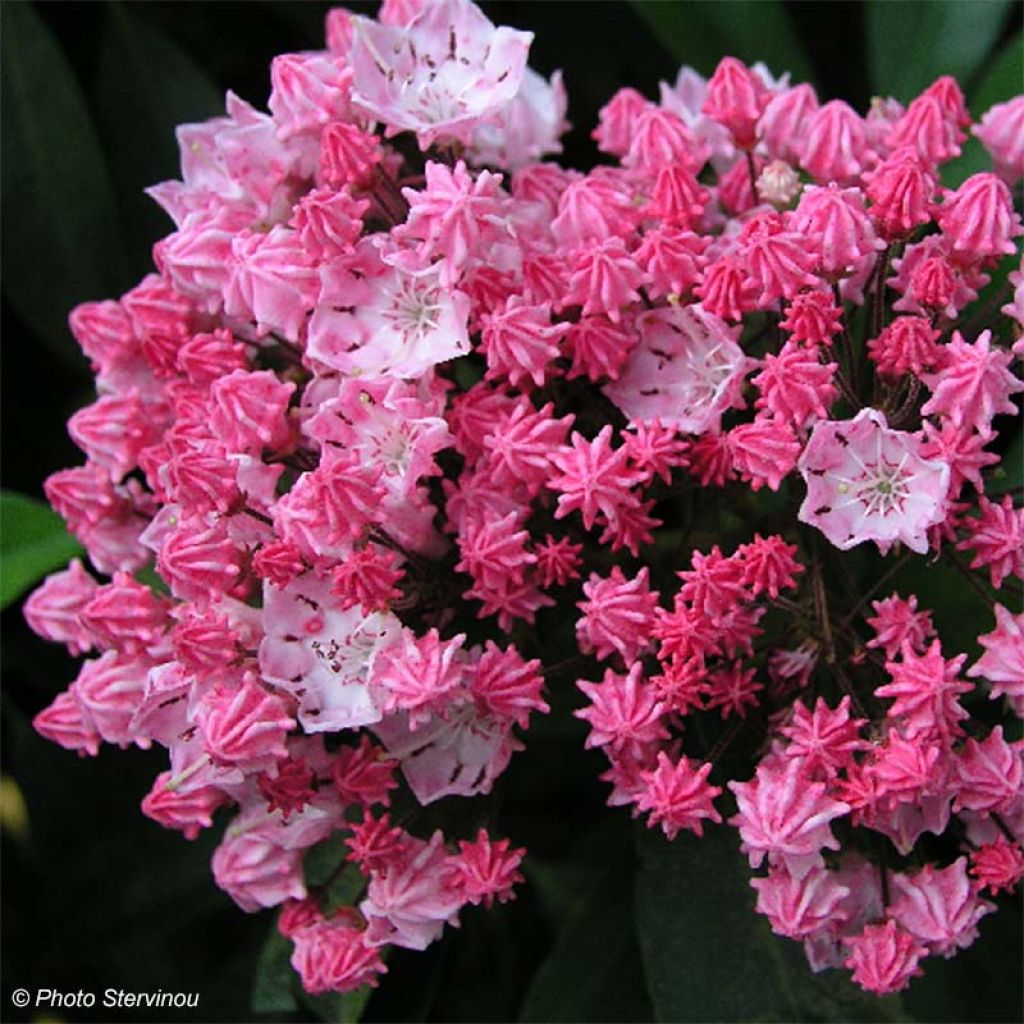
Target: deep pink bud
835,147
784,121
901,190
736,98
245,725
978,220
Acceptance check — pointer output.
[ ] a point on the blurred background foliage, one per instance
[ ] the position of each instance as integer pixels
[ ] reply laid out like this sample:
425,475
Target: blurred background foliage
613,923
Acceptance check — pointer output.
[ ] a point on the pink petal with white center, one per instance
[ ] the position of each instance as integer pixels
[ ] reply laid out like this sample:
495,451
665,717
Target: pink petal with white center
867,482
322,654
686,372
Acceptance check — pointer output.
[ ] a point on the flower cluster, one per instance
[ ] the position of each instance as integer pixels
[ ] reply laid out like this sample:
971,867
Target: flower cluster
399,389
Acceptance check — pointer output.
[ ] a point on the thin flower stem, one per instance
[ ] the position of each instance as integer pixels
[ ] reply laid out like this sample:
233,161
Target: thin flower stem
258,515
881,269
1003,827
752,172
725,741
969,576
875,587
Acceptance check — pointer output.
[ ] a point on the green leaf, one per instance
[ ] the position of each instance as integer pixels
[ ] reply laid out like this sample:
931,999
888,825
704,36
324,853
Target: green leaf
594,972
700,34
709,956
61,243
272,988
33,542
146,85
913,42
1001,81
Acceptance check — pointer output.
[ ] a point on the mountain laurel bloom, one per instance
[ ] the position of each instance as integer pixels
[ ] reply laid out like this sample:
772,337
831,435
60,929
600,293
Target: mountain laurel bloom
868,482
411,428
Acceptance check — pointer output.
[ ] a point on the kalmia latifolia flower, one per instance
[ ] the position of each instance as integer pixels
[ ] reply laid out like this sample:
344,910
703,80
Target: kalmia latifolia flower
417,429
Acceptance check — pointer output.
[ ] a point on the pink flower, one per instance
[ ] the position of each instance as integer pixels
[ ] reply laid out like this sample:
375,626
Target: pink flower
835,144
834,220
776,257
973,384
799,907
823,740
328,222
673,261
249,411
926,689
364,774
884,957
898,622
736,98
783,123
66,723
927,126
348,156
603,279
307,91
256,873
440,75
964,451
785,816
677,199
402,323
334,956
417,674
867,482
1002,664
1001,131
907,345
409,904
272,281
520,341
686,372
659,138
54,609
616,119
998,865
813,318
199,560
624,712
594,208
245,725
593,478
726,289
769,565
322,654
453,217
288,786
978,220
678,796
763,452
901,189
617,615
368,577
939,907
990,774
484,871
997,538
732,689
506,686
114,430
189,812
126,615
